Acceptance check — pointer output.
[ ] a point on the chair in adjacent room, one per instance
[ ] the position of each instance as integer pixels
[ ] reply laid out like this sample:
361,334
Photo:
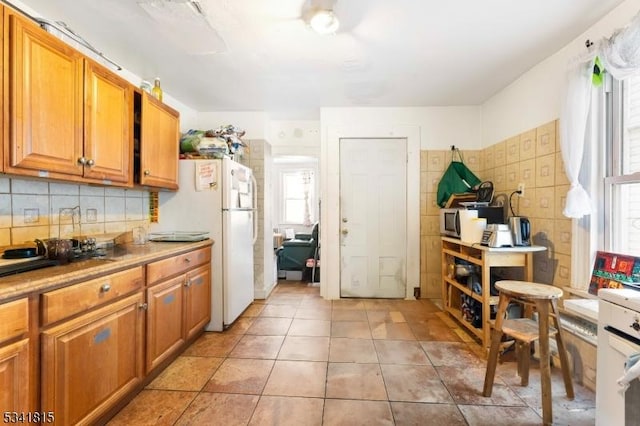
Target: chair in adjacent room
293,254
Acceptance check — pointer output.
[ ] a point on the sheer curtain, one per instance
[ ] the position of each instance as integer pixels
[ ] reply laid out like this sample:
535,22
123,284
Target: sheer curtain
620,57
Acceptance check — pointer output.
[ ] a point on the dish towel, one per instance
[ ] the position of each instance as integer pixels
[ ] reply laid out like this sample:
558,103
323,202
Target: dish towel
631,371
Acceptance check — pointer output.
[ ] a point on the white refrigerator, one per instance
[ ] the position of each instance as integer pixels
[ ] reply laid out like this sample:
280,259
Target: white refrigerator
217,196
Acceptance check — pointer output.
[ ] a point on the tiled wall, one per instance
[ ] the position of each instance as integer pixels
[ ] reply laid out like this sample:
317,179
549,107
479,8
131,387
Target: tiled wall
259,158
532,158
31,209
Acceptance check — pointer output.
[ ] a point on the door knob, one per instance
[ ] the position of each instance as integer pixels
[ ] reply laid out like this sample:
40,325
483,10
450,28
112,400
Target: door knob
345,220
90,162
345,231
82,161
147,172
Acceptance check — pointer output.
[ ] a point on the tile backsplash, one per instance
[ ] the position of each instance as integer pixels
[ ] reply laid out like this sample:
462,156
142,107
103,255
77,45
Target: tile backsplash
31,209
533,158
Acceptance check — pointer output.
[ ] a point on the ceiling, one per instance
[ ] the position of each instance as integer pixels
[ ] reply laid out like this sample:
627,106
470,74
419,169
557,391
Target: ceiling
258,55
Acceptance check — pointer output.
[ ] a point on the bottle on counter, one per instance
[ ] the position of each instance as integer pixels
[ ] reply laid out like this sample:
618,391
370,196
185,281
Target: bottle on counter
157,90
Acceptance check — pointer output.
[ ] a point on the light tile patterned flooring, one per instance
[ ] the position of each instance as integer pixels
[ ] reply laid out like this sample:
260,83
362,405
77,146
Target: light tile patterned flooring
296,359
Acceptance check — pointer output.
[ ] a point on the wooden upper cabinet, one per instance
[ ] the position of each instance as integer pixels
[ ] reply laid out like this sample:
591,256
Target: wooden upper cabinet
108,125
69,117
159,144
3,123
45,102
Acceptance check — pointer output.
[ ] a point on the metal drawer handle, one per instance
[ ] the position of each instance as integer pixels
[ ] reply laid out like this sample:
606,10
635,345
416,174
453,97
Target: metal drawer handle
187,283
105,288
143,306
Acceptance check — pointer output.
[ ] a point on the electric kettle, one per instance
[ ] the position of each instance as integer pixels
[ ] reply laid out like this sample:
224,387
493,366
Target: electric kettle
520,230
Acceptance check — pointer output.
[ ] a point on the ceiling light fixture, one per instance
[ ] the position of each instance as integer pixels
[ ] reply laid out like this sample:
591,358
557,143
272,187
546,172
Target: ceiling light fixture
324,22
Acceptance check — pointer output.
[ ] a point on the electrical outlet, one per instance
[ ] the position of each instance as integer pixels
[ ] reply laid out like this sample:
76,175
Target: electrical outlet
92,215
521,189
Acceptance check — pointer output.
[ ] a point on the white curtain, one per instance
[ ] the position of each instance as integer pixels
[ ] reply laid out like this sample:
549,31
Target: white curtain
306,181
620,57
620,54
574,118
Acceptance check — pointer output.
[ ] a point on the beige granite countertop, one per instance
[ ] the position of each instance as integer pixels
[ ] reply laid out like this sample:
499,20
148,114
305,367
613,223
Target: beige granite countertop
122,257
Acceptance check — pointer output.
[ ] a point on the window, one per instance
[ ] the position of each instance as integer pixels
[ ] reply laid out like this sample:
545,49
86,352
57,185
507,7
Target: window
622,180
298,196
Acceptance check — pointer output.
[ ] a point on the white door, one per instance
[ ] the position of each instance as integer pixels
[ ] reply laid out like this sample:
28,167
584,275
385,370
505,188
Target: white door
373,213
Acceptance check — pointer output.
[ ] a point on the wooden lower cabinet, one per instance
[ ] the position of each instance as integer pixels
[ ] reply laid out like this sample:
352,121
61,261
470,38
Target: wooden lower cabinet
88,363
178,309
164,320
14,377
179,302
15,364
197,300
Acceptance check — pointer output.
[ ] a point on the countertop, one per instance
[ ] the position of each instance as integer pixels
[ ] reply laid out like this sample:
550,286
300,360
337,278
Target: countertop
119,258
515,249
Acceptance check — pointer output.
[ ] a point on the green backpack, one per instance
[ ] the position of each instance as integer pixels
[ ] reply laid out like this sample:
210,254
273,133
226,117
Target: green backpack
456,179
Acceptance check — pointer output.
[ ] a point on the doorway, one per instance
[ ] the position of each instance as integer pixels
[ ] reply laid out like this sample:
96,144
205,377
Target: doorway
373,217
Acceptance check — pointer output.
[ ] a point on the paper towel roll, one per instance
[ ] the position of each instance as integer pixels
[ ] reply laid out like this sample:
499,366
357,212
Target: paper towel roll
471,229
466,216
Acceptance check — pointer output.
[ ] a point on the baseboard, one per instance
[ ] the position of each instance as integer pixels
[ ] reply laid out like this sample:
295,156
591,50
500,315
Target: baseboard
264,292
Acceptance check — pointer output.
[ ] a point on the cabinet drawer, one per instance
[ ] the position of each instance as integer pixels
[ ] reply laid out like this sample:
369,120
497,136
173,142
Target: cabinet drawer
65,302
169,267
15,319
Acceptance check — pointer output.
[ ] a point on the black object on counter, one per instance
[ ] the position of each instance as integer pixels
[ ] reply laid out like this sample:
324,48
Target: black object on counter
20,253
25,252
27,266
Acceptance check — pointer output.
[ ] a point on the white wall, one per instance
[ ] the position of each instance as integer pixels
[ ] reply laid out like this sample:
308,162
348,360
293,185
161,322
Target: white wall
254,123
294,137
535,97
440,127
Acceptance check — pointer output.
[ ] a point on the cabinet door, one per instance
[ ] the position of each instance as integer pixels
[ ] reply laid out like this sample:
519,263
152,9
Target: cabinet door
3,123
159,144
14,377
90,362
108,125
164,320
197,300
45,103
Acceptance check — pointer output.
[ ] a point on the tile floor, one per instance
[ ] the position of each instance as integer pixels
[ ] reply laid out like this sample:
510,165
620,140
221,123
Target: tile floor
296,359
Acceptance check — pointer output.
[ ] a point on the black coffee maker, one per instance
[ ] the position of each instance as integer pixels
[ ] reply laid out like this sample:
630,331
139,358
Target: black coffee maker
520,230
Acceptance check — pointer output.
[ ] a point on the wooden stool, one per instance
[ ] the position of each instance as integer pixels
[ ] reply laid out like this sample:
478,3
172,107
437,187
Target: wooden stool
526,331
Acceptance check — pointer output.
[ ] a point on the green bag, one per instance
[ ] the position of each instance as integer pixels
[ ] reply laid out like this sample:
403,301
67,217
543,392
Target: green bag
457,179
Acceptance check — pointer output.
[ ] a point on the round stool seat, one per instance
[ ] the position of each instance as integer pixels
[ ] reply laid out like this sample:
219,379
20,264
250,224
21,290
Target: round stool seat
529,290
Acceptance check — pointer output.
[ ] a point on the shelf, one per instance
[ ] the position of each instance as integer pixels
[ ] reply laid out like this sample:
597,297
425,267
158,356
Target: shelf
466,257
458,316
486,258
464,289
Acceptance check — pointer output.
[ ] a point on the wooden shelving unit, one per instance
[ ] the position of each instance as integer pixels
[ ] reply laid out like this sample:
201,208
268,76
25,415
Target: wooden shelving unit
485,258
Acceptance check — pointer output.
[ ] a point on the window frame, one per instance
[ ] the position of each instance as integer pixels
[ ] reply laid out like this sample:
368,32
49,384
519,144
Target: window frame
283,198
614,175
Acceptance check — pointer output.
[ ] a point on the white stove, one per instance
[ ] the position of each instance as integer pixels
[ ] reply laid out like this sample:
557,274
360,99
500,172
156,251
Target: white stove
618,340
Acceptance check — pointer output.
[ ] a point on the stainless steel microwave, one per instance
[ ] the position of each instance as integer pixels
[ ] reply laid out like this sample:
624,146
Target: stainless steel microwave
450,219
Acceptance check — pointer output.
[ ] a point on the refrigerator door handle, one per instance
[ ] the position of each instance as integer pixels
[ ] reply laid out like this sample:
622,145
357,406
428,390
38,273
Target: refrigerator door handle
255,208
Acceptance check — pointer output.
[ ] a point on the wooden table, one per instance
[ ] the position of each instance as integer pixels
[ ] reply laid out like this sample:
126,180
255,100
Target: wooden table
485,258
